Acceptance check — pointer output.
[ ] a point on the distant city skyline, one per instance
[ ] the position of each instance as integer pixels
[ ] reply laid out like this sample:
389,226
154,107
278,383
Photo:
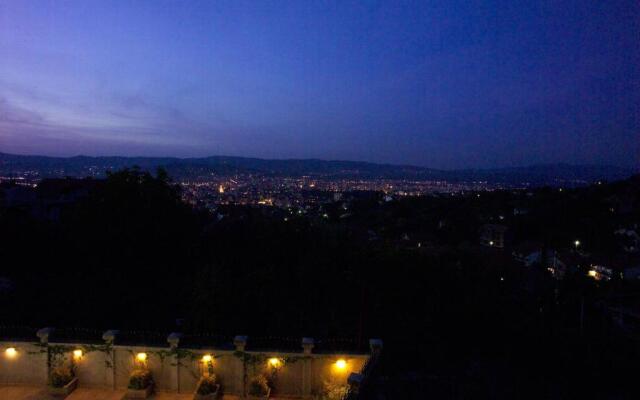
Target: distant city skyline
439,84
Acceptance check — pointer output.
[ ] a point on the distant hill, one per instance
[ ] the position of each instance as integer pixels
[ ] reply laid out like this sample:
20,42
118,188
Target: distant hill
80,166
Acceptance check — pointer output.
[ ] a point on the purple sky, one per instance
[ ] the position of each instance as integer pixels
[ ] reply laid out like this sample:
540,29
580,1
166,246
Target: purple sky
442,84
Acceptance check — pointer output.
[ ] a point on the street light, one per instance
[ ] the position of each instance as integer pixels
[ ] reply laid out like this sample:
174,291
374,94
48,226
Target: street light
576,243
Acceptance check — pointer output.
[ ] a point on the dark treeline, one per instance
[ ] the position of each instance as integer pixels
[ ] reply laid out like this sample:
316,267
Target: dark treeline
458,320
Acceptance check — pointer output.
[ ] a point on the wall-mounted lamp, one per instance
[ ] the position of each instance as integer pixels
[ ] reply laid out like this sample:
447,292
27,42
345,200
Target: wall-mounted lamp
11,352
274,362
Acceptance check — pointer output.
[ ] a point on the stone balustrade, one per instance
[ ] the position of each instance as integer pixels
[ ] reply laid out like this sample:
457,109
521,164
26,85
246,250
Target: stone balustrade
178,369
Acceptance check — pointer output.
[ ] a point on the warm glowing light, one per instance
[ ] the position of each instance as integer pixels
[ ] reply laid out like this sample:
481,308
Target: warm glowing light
207,358
77,354
274,362
142,357
577,243
491,243
341,364
592,273
11,352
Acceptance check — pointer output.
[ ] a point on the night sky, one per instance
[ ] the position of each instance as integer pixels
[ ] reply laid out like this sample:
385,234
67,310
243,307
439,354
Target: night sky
443,84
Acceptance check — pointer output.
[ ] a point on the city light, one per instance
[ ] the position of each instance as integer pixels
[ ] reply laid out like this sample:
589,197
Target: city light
142,357
341,364
592,273
77,354
11,352
207,358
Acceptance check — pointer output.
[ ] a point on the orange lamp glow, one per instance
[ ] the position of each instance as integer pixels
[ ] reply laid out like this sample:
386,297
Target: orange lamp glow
77,354
341,364
142,357
11,352
274,362
207,358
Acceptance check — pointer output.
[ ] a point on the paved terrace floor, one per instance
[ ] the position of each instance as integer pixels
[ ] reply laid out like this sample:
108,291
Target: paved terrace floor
39,393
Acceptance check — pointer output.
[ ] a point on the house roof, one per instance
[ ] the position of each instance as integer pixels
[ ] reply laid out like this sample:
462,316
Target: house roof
527,247
494,227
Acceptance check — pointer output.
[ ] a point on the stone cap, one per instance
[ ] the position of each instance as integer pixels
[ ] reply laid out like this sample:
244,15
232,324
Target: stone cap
110,335
308,344
174,339
240,338
375,344
44,334
240,341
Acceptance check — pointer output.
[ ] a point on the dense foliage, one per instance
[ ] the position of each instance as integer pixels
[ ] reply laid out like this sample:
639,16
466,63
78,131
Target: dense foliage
207,385
140,379
131,255
258,386
61,375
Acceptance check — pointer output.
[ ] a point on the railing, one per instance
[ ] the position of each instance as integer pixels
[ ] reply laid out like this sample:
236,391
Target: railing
105,359
193,340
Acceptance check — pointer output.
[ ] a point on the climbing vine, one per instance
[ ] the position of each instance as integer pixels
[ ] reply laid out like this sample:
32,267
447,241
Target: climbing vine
57,353
179,355
255,359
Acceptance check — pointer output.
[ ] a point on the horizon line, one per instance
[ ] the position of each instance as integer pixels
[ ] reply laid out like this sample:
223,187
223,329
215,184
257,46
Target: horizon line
632,168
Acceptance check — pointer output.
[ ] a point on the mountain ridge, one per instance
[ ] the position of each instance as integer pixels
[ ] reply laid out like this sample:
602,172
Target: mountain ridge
81,165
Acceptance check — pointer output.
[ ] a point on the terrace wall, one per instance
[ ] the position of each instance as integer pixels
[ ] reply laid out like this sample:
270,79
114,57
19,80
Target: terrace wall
300,374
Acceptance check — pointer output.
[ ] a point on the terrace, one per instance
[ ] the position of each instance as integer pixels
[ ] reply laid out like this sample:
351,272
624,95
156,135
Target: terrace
102,365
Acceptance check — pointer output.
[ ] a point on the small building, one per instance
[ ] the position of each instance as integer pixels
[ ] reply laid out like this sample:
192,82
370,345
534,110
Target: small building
527,253
628,239
492,235
558,263
520,211
624,266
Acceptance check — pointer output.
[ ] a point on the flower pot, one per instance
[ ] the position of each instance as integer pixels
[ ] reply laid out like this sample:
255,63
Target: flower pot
139,393
265,397
65,390
210,396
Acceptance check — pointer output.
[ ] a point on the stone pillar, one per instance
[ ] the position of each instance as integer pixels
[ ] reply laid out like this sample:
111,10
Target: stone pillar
307,373
174,363
43,334
240,342
376,346
109,338
239,369
43,357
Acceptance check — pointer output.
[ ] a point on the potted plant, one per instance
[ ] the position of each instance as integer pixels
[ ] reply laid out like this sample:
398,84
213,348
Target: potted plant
140,384
62,380
332,391
208,388
259,388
